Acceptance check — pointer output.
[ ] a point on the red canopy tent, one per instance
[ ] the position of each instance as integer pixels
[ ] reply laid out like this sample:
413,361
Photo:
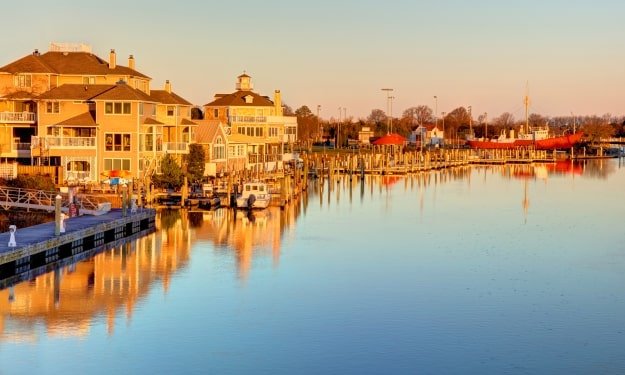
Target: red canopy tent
390,139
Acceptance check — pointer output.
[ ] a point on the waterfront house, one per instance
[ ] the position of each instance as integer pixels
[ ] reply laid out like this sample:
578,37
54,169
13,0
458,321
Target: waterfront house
259,119
93,118
211,135
429,134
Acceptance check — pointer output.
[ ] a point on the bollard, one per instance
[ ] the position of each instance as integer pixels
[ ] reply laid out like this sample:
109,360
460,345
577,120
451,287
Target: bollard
133,205
62,226
12,230
57,215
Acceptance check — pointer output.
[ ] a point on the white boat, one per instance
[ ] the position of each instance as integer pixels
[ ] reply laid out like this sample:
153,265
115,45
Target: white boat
255,195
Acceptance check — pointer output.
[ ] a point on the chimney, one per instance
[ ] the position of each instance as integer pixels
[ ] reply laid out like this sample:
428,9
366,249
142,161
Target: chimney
131,62
168,86
112,60
277,102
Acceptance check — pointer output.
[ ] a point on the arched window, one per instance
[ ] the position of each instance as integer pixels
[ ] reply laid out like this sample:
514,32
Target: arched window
186,135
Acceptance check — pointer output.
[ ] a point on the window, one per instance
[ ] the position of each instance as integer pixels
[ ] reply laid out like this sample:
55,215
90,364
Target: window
23,80
117,108
153,110
219,149
53,107
117,142
170,110
117,164
140,109
215,113
273,132
88,80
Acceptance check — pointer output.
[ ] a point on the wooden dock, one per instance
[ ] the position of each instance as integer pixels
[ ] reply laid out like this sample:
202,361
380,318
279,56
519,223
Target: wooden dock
38,247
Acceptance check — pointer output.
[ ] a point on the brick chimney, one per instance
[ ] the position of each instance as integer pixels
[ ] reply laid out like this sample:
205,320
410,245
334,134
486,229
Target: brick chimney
112,59
131,62
168,86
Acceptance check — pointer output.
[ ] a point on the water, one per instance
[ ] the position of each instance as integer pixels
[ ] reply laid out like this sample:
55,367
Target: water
477,270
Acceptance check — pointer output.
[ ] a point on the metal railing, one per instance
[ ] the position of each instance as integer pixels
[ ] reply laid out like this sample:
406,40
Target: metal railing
18,117
63,142
11,197
247,119
181,147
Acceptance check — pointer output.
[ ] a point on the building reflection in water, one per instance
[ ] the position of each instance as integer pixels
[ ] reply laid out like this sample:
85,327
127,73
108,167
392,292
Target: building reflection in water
69,301
248,234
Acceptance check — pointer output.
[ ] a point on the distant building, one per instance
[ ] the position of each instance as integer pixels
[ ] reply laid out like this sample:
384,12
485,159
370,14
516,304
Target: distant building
427,135
364,135
255,119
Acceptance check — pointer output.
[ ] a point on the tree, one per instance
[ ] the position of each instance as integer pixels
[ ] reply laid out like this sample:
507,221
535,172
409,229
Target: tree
287,110
595,128
419,115
171,174
536,120
306,123
195,162
196,113
377,120
505,120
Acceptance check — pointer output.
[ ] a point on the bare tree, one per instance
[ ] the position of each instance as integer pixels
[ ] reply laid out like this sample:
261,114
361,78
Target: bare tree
419,115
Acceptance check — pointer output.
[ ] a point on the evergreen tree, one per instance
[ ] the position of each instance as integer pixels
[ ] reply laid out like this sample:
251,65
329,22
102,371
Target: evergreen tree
195,162
171,175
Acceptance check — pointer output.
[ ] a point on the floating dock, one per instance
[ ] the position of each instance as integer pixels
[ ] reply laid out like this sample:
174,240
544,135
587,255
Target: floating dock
38,248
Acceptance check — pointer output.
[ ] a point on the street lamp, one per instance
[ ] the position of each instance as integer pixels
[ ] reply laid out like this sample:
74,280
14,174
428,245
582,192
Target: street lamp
388,118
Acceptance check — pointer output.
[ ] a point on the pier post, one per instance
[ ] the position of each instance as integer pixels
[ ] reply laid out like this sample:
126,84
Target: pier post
124,201
57,215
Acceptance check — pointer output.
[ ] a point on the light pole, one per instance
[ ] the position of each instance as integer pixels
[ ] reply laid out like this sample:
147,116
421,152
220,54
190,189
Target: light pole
435,110
470,123
392,97
388,101
443,115
319,129
338,129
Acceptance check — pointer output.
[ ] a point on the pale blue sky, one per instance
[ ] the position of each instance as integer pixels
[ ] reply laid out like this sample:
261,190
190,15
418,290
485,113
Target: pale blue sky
341,53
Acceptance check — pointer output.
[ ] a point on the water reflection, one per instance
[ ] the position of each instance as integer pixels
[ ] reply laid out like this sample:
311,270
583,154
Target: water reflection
69,301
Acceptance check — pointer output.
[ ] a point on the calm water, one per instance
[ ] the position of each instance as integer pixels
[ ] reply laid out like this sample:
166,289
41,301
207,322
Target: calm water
477,270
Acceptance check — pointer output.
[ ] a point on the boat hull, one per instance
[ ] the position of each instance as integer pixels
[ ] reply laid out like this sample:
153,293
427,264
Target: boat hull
553,143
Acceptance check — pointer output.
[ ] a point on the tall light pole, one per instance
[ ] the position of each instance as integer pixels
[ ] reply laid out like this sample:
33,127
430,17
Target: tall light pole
388,101
435,110
319,129
470,122
443,115
338,131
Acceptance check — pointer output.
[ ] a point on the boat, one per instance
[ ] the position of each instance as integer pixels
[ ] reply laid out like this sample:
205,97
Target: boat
547,143
254,195
538,138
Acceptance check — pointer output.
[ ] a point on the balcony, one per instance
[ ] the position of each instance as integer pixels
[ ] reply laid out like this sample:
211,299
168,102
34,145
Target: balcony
176,147
49,143
248,119
18,117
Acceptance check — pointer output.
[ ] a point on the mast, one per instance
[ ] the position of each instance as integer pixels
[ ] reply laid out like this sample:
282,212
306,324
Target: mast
526,101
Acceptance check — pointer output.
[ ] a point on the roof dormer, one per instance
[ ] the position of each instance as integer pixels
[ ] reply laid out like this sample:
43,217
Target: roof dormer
249,99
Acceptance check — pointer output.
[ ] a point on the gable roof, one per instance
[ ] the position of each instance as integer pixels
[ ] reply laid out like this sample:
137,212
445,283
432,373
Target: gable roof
87,118
151,121
78,63
19,95
74,92
237,99
207,131
119,91
162,96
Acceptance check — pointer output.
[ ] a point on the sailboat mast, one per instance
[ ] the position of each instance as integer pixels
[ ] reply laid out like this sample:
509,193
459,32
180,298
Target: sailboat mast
526,101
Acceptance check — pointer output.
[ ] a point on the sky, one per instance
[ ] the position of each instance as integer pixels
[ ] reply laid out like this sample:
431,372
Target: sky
568,54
